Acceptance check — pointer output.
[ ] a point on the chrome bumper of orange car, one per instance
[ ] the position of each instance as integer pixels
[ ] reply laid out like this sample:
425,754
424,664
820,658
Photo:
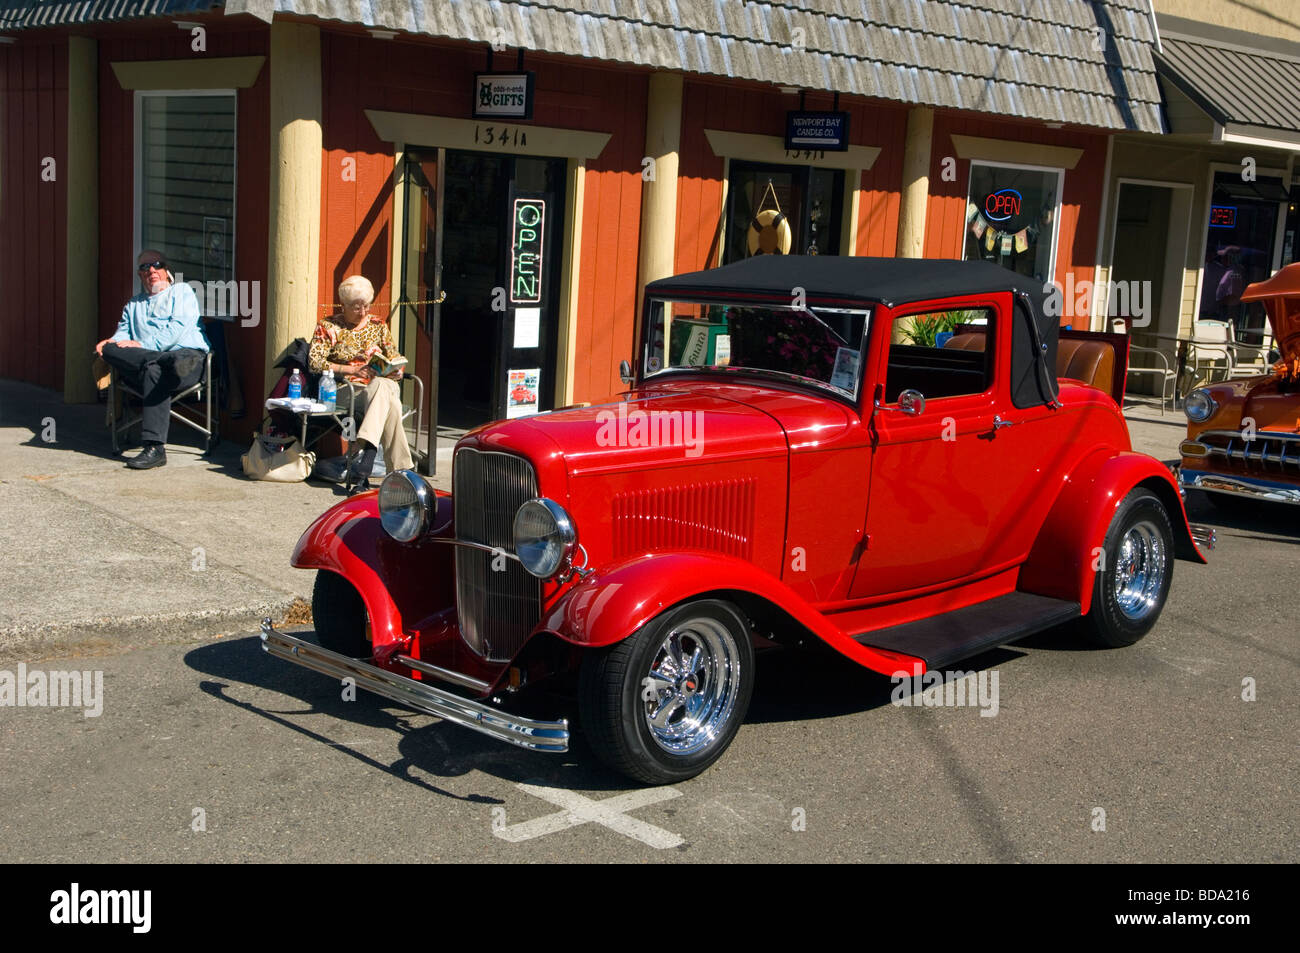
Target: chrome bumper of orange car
524,732
1239,485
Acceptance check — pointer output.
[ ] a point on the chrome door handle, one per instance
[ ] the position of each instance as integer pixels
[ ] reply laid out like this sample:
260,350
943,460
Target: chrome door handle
999,423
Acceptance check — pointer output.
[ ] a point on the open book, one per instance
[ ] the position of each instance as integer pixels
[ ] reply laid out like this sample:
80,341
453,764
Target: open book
384,367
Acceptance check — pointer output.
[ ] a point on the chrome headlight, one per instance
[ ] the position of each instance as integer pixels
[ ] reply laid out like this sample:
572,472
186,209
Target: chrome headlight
1199,406
405,505
545,537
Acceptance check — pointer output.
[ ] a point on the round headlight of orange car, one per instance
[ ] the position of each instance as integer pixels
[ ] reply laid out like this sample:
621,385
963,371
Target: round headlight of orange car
1199,406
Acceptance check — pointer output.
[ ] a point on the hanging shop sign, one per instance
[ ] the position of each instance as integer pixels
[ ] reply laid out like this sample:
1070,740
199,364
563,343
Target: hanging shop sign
813,129
503,95
1223,216
526,234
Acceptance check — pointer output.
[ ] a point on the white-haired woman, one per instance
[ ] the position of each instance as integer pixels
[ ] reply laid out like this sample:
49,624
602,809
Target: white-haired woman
344,344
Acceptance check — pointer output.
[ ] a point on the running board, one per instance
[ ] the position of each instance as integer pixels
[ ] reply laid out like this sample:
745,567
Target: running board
961,633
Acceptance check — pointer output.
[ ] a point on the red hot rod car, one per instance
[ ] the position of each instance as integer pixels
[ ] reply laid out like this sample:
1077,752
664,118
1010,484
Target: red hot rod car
796,459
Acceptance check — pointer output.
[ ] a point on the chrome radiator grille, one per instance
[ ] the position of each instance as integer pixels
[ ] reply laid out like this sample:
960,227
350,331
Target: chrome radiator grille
497,607
1269,451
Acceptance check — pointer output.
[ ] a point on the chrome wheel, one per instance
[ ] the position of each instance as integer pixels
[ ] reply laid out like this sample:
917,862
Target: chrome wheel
1132,583
690,691
663,704
1139,573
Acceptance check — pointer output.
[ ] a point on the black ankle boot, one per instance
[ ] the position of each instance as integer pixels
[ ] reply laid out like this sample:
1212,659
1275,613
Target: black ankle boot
359,467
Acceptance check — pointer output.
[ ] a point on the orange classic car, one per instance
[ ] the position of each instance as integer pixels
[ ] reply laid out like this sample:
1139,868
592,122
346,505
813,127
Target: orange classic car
1243,435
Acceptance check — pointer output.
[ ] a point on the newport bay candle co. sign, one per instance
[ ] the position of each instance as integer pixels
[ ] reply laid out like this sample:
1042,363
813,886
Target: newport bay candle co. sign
526,251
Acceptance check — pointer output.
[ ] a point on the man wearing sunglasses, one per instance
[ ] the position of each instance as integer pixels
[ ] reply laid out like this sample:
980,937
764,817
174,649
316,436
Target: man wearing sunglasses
159,348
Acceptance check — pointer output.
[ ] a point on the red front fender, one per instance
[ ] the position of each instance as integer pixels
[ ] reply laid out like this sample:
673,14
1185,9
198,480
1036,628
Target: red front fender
1060,563
402,584
614,602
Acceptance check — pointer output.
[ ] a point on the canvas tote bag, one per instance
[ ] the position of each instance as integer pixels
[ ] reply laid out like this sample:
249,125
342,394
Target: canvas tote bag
279,462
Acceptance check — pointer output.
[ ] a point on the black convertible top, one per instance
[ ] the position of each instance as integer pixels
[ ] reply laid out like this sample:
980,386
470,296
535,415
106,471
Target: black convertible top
892,282
889,281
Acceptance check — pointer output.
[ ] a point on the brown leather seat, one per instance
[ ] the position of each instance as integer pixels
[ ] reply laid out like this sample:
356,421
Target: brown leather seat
970,341
1092,362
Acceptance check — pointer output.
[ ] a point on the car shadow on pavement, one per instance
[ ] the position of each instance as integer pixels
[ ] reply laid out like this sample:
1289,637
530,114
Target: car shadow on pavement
440,749
1280,521
817,682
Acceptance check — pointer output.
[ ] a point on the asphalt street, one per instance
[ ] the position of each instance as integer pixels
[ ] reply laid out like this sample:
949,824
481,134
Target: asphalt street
216,752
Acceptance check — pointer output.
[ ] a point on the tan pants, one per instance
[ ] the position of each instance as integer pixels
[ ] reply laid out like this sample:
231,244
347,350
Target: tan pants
381,424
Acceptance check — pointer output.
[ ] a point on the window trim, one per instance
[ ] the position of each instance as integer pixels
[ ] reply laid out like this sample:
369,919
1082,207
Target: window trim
1027,167
137,144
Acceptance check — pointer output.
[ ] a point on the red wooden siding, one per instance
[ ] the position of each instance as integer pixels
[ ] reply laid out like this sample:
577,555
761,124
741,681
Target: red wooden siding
1076,248
117,280
356,216
33,237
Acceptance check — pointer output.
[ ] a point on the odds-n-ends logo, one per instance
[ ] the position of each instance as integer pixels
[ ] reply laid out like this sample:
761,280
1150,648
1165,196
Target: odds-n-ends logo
1002,205
76,906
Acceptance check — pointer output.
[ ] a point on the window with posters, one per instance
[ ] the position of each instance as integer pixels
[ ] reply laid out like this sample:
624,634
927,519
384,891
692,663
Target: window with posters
1012,214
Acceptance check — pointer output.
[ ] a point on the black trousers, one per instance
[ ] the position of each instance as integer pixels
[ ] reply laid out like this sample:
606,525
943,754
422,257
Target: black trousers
156,375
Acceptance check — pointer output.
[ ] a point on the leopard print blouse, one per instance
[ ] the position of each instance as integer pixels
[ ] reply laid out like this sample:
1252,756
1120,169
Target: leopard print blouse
336,343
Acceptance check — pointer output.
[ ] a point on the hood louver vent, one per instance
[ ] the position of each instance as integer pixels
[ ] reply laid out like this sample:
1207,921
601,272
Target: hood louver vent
717,516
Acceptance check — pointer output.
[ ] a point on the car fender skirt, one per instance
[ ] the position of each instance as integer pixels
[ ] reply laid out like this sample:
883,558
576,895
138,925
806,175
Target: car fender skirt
398,582
612,603
1060,564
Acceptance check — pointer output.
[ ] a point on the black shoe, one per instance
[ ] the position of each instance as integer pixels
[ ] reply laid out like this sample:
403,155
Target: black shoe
154,455
357,479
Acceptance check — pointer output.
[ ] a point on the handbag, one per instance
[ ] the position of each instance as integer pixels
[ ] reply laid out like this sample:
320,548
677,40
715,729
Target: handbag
270,458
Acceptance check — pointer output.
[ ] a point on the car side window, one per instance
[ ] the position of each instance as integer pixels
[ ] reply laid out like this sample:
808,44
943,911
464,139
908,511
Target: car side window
941,354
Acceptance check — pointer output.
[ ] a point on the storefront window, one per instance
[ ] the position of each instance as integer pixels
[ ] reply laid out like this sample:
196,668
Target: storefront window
782,210
1011,217
186,186
1240,243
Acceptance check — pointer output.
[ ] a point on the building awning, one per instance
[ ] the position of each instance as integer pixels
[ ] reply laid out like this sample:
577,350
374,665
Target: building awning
1250,93
1056,61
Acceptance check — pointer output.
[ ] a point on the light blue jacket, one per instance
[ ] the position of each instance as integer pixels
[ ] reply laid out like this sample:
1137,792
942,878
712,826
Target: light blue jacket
163,322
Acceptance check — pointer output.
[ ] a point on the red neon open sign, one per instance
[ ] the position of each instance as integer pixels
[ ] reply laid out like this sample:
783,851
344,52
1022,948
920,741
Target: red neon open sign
1002,205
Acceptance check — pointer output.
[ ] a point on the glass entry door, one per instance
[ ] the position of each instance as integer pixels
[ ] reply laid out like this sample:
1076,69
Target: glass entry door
484,234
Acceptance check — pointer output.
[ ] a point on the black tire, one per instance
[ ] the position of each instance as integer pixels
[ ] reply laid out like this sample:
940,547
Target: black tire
1137,567
340,617
701,701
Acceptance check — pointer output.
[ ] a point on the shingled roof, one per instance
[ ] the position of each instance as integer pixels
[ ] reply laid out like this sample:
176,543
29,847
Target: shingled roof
1087,62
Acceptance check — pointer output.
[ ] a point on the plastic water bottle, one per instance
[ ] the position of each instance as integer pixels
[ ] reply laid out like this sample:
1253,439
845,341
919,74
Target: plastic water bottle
295,384
328,391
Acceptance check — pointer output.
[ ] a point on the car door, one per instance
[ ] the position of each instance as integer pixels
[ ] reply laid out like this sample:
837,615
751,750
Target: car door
947,481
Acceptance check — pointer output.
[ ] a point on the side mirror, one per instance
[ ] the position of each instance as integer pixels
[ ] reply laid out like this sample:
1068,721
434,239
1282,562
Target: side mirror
911,402
625,372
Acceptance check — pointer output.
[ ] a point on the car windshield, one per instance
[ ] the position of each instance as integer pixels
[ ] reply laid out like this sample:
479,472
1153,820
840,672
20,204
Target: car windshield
813,345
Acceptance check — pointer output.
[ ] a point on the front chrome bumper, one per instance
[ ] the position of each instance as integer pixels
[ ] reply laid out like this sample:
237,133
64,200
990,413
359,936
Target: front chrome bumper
1238,485
477,716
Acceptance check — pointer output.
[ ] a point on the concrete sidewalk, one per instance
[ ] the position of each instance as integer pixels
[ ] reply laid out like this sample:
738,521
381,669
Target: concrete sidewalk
96,557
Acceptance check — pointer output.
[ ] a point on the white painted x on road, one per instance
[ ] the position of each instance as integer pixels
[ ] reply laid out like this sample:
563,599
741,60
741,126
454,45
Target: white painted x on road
611,813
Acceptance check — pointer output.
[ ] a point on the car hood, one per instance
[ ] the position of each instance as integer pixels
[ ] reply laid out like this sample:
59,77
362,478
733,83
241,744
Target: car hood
657,427
1281,298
